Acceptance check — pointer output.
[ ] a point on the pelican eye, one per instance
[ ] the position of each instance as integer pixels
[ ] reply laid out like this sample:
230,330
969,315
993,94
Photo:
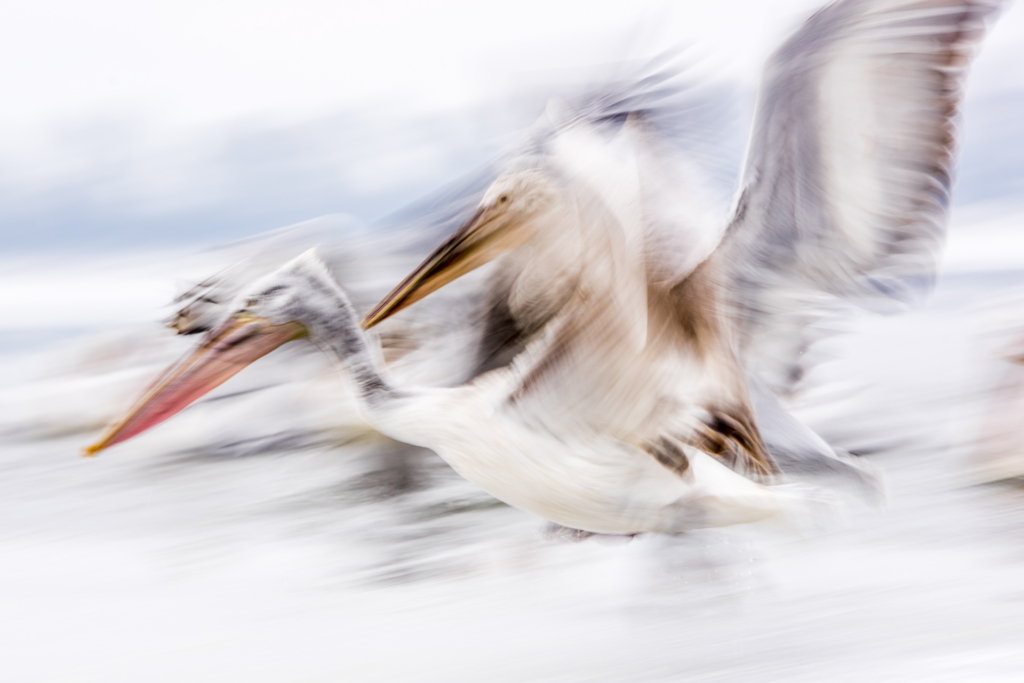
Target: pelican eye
503,198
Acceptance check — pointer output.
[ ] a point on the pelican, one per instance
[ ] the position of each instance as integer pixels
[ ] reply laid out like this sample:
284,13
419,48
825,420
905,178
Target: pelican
629,406
574,477
843,199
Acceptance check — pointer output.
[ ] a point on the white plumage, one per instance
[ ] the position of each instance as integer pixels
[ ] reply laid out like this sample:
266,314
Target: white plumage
643,334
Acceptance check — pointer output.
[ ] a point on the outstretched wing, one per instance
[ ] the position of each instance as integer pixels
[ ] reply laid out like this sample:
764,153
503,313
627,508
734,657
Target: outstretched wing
847,182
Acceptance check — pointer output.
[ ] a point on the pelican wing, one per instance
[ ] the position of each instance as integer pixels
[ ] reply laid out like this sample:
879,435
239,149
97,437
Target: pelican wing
847,181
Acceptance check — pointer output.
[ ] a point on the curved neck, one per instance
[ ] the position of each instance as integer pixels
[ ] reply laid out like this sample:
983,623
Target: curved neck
337,331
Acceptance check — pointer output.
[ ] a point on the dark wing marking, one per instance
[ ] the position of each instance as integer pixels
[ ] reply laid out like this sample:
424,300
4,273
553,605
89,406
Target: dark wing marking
670,454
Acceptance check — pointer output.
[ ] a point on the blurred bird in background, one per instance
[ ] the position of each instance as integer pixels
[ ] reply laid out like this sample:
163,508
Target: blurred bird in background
627,373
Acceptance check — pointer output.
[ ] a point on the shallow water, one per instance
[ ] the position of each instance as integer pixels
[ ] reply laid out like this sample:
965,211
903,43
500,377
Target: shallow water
259,537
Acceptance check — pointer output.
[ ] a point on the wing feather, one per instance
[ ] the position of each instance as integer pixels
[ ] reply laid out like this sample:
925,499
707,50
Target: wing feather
847,182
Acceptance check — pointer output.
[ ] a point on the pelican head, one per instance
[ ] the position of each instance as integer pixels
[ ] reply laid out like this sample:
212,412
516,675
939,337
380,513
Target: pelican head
291,303
507,217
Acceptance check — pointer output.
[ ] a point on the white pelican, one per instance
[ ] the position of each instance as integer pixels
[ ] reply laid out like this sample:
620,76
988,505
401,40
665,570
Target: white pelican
843,197
637,352
575,477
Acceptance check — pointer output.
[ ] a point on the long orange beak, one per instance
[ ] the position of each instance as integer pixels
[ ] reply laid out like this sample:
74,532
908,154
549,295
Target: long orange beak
481,239
224,353
445,264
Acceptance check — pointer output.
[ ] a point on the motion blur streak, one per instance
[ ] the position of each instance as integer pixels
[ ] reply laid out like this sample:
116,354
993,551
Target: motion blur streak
578,321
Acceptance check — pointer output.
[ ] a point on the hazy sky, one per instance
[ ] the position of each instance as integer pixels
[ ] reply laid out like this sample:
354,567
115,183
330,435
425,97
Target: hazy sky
118,110
186,61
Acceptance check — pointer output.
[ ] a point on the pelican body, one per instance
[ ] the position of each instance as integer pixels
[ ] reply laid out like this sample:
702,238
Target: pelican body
575,477
843,199
641,336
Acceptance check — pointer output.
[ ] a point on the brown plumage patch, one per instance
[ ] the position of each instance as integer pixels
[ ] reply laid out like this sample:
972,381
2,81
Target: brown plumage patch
731,435
670,454
693,305
729,431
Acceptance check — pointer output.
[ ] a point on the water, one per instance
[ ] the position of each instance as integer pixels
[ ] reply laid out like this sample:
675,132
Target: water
264,536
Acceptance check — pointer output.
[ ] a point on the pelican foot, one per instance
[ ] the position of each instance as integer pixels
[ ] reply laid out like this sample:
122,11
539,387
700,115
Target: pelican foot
564,534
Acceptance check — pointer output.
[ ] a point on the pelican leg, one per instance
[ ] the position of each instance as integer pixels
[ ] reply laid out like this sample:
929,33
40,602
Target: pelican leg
565,534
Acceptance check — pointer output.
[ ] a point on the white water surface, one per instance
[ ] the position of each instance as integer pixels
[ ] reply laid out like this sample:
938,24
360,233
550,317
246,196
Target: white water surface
251,538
